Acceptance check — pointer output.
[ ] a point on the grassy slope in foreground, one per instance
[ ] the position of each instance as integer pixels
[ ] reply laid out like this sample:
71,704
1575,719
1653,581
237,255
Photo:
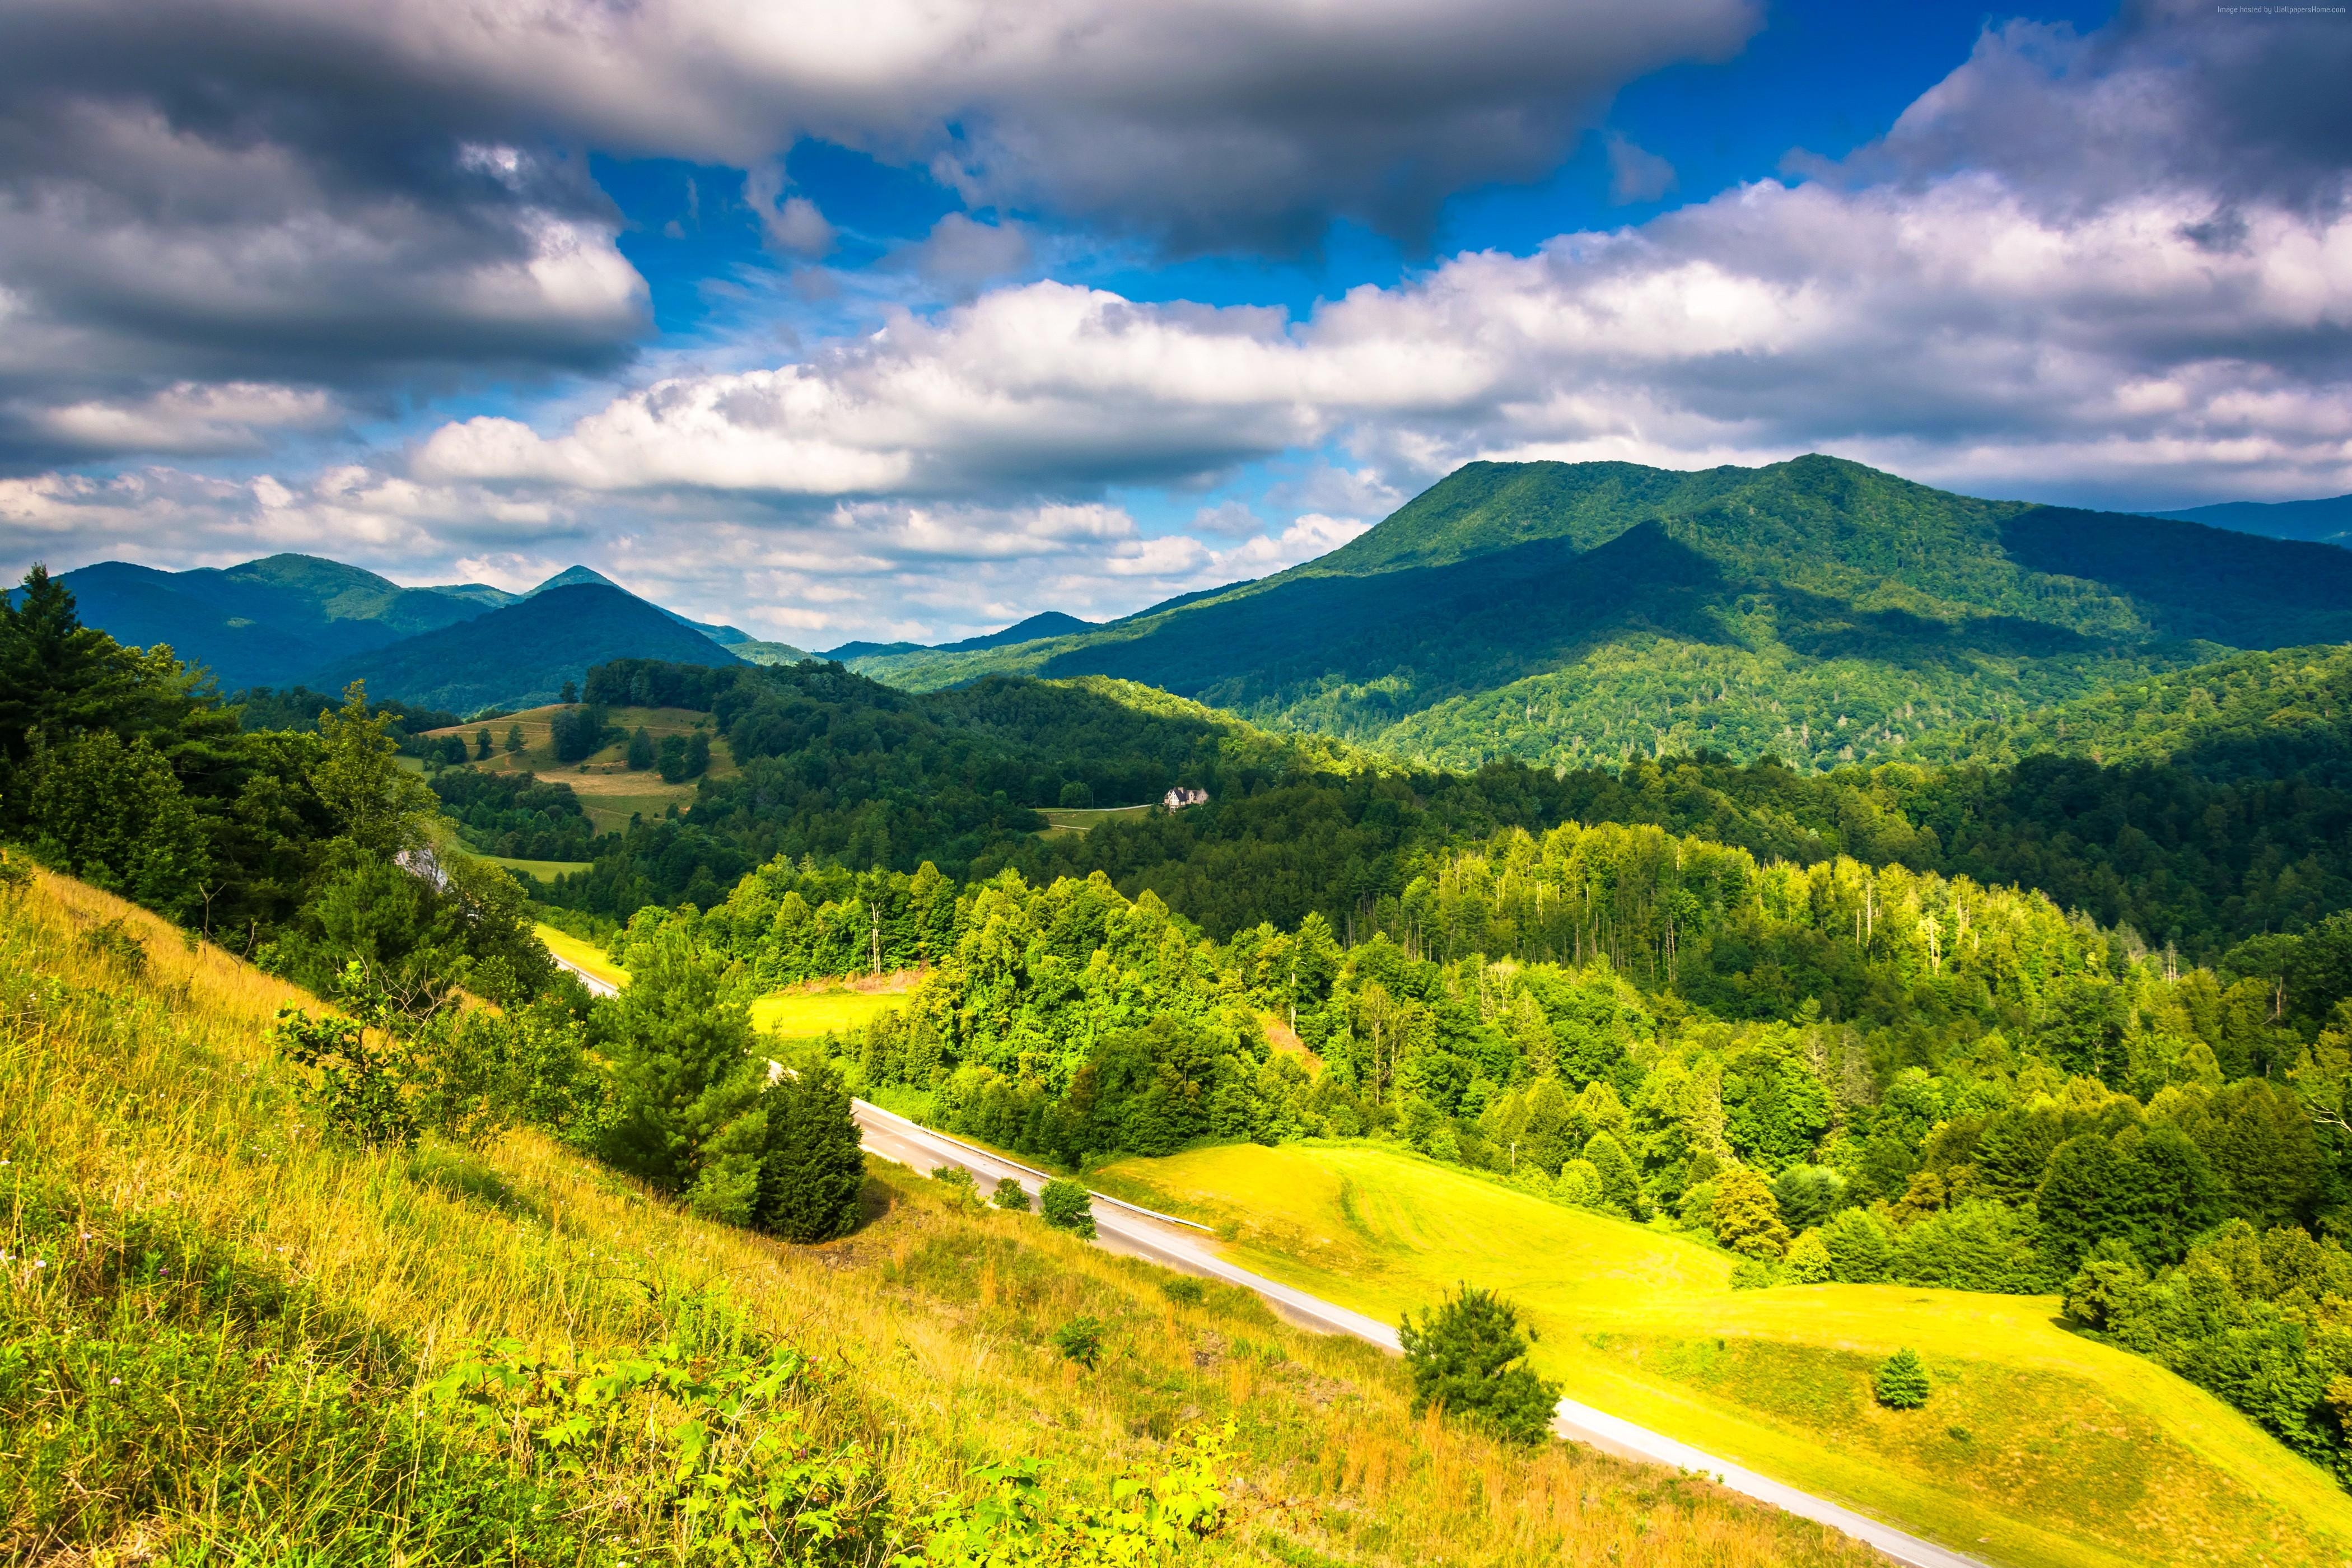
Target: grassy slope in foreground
151,1105
2037,1447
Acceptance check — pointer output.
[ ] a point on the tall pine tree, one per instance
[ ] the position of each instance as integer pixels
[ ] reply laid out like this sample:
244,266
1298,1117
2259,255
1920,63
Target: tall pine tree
811,1166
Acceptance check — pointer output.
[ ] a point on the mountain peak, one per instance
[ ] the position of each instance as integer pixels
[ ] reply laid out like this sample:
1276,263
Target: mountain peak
571,577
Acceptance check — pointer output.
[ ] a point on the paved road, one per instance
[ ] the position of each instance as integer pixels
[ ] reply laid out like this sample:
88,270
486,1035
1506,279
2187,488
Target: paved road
1177,1244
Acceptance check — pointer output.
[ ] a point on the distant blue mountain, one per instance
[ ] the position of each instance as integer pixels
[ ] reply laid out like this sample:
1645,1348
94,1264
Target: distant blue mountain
2327,522
1037,628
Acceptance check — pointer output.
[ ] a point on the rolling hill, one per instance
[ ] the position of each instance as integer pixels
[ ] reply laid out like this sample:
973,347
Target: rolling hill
1037,628
523,653
1816,609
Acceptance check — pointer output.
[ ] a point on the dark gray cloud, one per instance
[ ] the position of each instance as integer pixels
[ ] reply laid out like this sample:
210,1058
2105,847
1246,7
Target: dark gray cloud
373,200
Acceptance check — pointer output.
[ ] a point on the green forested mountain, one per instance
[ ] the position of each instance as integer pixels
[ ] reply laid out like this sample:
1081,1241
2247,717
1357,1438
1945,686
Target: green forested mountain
525,652
1815,610
267,622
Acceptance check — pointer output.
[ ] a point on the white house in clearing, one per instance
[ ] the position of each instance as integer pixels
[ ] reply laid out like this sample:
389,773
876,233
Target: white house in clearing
1180,797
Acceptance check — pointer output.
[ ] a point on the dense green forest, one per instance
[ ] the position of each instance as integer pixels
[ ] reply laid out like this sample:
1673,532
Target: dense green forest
1581,613
2222,812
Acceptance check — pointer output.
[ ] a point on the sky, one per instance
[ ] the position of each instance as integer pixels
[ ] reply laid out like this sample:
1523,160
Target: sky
908,319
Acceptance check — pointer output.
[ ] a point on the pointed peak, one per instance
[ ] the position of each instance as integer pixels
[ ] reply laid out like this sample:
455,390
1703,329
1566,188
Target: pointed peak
571,577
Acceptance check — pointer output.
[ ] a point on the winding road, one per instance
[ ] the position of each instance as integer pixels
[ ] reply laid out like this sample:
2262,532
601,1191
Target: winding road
1123,1227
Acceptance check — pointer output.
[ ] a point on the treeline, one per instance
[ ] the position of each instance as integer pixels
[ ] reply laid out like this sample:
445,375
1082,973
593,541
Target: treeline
1834,1070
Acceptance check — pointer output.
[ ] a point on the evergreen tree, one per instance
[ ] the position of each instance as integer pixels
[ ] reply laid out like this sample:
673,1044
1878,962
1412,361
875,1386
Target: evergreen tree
1861,1250
481,744
697,753
514,740
641,750
1467,1357
2078,1200
810,1167
1621,1185
1901,1380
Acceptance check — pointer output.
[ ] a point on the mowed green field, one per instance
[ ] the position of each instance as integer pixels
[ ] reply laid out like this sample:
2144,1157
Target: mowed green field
2037,1447
805,1014
1074,822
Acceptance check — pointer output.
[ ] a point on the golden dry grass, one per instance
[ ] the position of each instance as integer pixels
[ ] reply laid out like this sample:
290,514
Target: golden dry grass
158,1095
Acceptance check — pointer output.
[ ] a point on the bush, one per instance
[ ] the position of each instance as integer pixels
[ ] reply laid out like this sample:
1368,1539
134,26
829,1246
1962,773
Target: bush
1467,1357
361,1088
1861,1248
1808,1194
1012,1195
963,1192
1579,1183
1901,1380
1069,1206
641,750
1080,1340
1808,1262
1183,1292
1753,1274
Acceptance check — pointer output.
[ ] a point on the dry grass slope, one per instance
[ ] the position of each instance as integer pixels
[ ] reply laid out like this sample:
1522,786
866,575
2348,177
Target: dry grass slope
148,1102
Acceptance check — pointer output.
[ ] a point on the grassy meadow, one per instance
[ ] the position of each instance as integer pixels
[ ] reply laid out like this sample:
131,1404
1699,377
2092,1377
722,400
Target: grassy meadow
608,790
2037,1447
802,1014
217,1331
1075,822
545,870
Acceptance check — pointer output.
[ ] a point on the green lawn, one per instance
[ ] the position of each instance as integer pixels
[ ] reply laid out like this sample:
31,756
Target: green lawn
2037,1447
586,954
804,1015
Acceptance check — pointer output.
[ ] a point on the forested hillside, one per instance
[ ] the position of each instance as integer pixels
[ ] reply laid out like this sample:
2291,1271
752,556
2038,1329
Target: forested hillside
1815,610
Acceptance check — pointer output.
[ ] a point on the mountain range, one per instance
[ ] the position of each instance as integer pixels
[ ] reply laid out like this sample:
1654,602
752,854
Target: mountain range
1816,609
302,620
2325,521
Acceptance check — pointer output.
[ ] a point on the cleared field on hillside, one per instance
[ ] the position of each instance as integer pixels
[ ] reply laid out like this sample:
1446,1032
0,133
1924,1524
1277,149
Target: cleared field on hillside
546,871
153,1138
1074,822
2037,1447
610,791
805,1014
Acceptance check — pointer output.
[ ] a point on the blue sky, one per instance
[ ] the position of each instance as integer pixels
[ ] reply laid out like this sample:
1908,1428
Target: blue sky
892,319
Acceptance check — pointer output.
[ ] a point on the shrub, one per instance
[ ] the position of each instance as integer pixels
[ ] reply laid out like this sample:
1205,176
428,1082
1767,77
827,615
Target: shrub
363,1086
1861,1248
1808,1262
1069,1206
1808,1194
963,1192
1012,1195
1901,1380
1183,1292
1467,1356
1080,1340
1579,1183
1753,1274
